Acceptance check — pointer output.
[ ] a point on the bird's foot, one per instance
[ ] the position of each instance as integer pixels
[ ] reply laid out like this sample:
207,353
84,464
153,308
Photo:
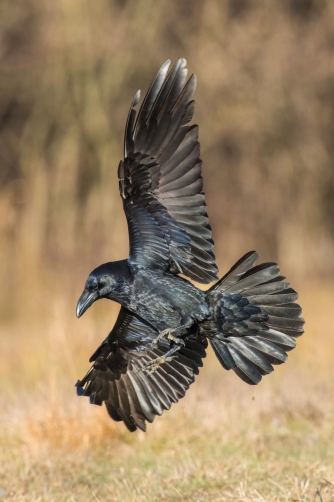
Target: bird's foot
152,366
167,334
176,344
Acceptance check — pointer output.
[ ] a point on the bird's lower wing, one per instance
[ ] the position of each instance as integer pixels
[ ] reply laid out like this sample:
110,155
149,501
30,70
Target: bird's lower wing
117,377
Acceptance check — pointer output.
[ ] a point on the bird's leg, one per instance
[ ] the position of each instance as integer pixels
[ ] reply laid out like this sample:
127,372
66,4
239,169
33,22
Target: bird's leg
176,344
152,366
167,334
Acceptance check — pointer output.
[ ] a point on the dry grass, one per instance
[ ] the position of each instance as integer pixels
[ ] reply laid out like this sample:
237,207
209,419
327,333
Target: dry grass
223,441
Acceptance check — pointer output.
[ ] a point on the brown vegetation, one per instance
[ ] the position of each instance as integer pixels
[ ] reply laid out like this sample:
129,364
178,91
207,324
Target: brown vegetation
68,72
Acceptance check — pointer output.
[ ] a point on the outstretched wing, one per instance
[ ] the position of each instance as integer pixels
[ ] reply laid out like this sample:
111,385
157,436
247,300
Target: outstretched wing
117,378
161,180
256,319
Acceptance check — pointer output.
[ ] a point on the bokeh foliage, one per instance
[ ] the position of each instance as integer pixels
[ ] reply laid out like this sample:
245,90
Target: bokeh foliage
265,105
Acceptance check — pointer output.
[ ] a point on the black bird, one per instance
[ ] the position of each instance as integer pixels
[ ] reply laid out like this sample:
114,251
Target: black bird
156,347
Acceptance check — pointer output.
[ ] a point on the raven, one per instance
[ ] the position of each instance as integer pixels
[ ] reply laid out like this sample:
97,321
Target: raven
157,344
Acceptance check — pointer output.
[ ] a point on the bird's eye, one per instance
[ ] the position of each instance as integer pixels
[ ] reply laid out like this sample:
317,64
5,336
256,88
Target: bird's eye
94,286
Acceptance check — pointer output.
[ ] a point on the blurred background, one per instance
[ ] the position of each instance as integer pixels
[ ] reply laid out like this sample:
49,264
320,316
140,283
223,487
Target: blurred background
265,106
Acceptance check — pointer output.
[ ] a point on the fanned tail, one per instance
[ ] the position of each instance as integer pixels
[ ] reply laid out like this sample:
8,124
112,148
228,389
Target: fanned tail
254,319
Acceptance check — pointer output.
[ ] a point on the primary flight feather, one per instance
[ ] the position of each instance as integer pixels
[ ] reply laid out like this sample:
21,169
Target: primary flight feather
156,347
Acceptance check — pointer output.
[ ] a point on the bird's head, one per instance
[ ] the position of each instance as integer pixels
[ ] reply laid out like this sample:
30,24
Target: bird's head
106,281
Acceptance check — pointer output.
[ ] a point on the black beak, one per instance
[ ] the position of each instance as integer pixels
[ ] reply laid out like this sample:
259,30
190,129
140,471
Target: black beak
85,301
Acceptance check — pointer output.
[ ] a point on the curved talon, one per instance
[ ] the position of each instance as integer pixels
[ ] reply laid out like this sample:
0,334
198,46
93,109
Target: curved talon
167,334
151,367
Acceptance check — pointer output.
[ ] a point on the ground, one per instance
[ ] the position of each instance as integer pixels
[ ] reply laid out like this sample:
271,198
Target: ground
224,441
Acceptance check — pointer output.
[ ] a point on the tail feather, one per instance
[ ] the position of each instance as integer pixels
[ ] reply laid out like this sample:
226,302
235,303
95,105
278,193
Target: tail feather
253,354
254,320
223,355
281,340
286,310
287,296
261,273
237,271
247,371
270,287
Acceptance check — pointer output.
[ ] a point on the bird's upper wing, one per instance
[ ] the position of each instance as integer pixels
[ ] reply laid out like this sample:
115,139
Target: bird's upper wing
161,180
117,378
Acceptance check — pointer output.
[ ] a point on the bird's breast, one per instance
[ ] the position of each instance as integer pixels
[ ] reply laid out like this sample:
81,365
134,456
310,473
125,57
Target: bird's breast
167,301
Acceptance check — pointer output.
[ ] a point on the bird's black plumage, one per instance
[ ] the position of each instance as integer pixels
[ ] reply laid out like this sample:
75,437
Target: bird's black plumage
161,181
249,316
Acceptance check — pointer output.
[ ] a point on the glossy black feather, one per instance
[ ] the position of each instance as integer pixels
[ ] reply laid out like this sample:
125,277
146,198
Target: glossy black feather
116,378
162,171
249,316
253,320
